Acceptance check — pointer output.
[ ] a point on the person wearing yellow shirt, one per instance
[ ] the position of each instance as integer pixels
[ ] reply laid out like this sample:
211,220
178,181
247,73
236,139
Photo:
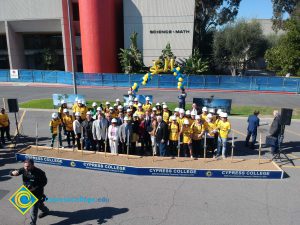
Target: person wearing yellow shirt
224,129
4,126
107,106
189,117
82,109
199,129
166,114
55,129
135,103
181,118
217,121
159,109
113,113
68,127
204,113
140,110
63,105
210,135
147,105
173,136
187,133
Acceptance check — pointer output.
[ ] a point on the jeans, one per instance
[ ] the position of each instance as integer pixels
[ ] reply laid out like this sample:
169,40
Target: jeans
3,131
88,143
275,147
69,135
222,146
254,135
34,211
162,148
53,139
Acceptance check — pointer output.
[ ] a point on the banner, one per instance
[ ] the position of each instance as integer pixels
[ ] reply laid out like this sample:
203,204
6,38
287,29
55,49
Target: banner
144,171
69,99
214,103
141,98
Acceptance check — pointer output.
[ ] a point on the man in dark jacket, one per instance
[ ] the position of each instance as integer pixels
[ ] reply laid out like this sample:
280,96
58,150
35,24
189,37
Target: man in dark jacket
35,180
88,132
161,136
275,131
253,123
182,98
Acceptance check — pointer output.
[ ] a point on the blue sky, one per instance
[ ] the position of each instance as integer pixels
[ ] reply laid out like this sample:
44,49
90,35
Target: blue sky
259,9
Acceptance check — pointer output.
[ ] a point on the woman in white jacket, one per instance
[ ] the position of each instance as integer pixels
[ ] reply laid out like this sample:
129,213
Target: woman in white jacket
113,131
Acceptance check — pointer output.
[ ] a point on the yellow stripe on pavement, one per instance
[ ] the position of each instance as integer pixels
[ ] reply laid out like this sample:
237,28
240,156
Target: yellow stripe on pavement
294,167
238,132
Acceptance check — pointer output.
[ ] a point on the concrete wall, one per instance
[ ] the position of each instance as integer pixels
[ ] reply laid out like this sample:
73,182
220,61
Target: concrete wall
158,22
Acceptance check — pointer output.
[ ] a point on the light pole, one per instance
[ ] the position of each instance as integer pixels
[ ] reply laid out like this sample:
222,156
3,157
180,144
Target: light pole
71,47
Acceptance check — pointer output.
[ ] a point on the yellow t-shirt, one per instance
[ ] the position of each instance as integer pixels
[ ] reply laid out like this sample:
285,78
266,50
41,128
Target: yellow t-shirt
82,110
224,128
180,121
139,113
186,132
55,124
147,107
68,121
166,116
203,117
4,121
197,129
210,128
114,114
74,107
174,132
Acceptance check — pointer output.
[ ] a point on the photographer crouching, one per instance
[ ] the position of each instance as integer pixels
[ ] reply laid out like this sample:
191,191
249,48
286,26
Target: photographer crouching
35,180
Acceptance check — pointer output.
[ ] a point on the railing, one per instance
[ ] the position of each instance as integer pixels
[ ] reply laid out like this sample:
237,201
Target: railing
222,82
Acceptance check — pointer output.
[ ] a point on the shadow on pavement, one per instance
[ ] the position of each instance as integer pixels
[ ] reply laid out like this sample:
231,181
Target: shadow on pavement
83,216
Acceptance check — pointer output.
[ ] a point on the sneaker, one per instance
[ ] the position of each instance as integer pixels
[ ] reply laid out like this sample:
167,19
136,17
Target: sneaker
61,147
192,157
51,145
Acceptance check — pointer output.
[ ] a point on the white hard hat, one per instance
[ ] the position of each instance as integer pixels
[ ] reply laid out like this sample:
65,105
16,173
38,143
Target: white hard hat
197,117
219,111
135,115
163,103
188,112
77,114
224,115
204,109
83,102
65,110
186,122
154,109
88,113
111,108
181,110
126,118
115,105
62,101
128,110
94,104
79,101
54,115
120,107
129,92
113,120
212,110
193,113
158,103
165,106
107,103
136,99
76,99
176,110
147,98
140,105
209,115
130,103
173,117
99,109
117,100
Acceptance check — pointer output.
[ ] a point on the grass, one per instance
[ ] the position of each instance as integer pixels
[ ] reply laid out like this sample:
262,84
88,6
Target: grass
236,110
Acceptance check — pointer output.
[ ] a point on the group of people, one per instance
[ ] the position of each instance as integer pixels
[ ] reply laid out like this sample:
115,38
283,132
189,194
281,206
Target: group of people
142,129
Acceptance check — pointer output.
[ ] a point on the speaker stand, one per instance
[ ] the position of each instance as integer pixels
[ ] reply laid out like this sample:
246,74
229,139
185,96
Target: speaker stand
281,155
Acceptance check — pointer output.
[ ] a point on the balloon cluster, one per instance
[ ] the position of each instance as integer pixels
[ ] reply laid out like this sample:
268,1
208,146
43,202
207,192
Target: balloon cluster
179,78
169,64
145,79
135,88
155,69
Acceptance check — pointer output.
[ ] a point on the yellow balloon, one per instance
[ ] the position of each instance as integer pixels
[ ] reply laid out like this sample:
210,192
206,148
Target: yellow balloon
166,66
180,79
178,87
179,84
172,61
144,83
135,85
175,74
146,75
178,68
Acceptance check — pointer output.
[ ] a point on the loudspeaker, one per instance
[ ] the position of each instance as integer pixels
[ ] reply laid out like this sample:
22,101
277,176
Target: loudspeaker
13,105
286,116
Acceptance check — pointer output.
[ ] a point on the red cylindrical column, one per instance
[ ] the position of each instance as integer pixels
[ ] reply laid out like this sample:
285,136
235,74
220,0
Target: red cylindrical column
98,35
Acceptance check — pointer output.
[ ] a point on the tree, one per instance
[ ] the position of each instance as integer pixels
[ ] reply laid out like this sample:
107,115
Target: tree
50,58
208,16
285,56
238,44
194,64
131,59
167,53
280,7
